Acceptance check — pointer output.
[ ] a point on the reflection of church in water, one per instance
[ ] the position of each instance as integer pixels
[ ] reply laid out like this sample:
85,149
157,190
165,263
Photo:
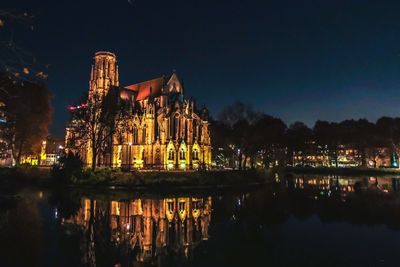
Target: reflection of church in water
147,227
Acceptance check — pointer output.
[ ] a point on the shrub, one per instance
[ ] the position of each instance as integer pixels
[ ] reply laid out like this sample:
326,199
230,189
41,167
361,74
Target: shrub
69,168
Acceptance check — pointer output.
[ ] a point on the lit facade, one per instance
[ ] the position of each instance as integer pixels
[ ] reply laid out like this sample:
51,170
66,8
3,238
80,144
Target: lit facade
321,156
164,130
314,155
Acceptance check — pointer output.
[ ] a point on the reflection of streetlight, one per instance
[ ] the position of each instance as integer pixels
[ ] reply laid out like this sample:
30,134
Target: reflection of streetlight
130,146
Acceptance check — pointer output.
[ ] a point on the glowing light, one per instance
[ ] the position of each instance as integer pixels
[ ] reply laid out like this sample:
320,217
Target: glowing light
182,165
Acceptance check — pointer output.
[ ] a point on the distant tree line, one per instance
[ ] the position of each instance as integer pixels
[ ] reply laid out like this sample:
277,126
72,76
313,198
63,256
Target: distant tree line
240,135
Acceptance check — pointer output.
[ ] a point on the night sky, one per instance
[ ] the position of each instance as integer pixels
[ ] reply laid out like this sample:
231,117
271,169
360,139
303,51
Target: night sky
297,60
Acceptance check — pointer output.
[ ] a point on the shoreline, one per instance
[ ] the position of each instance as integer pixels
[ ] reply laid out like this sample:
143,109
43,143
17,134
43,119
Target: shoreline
214,180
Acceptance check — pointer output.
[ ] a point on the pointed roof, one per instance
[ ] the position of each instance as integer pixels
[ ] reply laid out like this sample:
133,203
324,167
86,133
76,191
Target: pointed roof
143,89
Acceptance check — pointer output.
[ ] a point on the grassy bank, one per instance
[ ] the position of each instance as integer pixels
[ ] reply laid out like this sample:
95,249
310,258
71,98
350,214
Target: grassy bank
343,171
106,177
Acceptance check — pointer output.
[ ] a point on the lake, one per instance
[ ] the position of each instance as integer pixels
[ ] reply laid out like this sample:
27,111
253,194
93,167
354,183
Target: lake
305,220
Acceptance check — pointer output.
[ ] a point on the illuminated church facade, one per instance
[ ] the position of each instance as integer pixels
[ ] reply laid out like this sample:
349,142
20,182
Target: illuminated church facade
164,129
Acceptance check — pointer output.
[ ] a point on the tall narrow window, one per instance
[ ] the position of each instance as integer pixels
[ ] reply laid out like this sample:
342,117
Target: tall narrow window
195,154
144,135
181,206
182,156
170,206
158,157
177,128
135,135
171,154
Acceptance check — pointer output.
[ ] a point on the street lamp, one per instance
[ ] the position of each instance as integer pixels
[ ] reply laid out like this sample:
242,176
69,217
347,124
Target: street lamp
129,155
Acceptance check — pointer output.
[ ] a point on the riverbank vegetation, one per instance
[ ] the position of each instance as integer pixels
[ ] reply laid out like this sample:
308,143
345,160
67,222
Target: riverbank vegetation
164,179
105,177
71,171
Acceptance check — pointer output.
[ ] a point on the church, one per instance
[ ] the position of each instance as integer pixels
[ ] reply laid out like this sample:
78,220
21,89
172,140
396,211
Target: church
164,129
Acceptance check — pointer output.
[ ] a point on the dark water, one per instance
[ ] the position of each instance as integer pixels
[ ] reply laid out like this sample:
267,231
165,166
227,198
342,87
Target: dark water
300,221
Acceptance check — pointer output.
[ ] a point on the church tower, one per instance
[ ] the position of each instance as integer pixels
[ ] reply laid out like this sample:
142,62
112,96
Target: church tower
104,74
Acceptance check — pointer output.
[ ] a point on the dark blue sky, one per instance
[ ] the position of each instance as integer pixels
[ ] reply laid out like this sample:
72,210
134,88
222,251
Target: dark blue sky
297,60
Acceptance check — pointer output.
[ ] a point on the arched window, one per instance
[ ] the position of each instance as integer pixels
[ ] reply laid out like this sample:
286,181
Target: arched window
171,154
182,206
135,135
195,154
182,154
170,206
158,157
195,130
144,135
177,128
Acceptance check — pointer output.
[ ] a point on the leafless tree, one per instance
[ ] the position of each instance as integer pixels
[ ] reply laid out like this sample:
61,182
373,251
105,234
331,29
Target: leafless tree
94,124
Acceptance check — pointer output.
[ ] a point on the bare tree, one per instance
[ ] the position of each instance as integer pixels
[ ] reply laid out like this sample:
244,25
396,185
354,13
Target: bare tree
94,124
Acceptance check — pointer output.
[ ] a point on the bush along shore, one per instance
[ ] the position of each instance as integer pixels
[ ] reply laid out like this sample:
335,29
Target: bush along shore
156,179
105,177
71,172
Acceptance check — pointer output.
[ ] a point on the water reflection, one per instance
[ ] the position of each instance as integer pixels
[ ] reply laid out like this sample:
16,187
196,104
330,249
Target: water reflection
291,221
141,230
346,184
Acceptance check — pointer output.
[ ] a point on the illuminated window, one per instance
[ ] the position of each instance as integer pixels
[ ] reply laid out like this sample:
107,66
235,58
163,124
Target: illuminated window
170,206
181,206
135,135
195,154
182,154
170,154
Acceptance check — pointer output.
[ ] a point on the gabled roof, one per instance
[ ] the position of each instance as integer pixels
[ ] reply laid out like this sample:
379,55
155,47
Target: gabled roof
143,89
